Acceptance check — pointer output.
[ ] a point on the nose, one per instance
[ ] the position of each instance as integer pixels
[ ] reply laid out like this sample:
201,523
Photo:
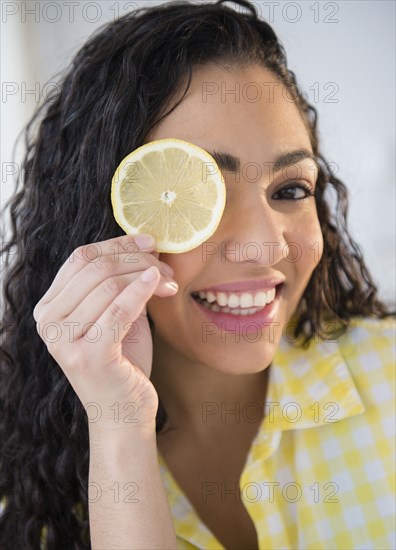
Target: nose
253,232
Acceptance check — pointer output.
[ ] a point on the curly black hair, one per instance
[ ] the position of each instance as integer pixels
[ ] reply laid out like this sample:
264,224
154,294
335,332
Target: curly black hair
118,86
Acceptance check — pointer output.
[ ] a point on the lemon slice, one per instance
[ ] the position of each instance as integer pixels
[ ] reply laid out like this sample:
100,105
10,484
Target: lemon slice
171,189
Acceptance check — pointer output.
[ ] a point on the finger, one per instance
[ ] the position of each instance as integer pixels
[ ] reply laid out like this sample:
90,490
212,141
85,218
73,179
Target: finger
95,304
126,308
94,275
92,253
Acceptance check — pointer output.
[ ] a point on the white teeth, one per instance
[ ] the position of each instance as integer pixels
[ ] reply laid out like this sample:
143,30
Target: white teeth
260,299
246,300
236,311
243,303
221,299
245,312
233,301
270,295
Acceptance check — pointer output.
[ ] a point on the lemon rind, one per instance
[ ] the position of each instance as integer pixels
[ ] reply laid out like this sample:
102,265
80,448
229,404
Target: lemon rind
163,245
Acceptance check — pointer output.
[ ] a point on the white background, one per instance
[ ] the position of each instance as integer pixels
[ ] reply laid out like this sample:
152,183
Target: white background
344,47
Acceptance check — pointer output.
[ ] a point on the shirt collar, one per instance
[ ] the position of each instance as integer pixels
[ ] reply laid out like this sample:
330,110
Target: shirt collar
309,387
316,379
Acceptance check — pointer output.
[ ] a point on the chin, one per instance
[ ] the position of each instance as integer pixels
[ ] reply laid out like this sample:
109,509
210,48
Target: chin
247,359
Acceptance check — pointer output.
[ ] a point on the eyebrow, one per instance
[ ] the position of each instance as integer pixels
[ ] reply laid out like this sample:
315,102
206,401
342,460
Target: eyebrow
231,163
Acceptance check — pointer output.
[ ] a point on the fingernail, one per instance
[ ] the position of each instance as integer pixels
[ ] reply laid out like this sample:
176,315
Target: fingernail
144,240
149,275
167,269
172,285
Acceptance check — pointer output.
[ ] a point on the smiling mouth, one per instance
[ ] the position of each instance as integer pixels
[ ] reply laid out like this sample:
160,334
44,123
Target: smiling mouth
237,303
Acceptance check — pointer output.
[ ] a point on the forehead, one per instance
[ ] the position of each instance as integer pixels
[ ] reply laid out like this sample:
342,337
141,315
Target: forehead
242,110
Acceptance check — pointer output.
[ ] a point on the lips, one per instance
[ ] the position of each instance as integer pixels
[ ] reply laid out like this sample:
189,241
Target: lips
247,286
241,318
241,294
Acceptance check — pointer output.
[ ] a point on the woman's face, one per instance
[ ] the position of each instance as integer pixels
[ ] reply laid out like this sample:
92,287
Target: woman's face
265,234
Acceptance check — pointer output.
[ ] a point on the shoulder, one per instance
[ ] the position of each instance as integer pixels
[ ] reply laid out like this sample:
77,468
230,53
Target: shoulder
364,327
369,349
369,340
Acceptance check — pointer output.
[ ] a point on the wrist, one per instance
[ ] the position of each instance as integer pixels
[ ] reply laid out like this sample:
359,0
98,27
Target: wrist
121,417
110,431
122,448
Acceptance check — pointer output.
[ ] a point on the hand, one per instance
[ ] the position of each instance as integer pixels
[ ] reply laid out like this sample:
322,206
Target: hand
93,320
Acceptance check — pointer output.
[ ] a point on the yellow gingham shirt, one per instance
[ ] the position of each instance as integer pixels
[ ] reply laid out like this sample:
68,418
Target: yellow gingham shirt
320,473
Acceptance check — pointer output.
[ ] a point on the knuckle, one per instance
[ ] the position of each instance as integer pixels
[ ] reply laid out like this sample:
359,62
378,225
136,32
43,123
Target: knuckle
87,253
77,254
105,264
112,286
119,311
38,329
36,311
50,332
40,318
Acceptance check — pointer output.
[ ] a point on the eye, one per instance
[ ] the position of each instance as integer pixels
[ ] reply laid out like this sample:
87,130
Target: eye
294,191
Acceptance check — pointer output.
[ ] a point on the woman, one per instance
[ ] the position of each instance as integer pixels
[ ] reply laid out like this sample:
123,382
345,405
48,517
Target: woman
273,438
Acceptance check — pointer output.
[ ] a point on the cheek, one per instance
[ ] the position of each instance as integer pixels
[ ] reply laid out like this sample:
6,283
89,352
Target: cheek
186,266
306,244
